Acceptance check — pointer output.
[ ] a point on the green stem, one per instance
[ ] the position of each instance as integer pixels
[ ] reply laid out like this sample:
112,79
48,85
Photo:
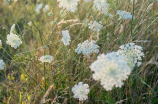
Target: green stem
132,18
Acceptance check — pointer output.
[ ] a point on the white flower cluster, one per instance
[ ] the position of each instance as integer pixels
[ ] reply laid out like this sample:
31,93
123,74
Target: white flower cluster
46,8
46,58
111,69
133,54
38,8
124,14
66,37
13,40
95,26
87,48
2,64
101,5
69,5
81,91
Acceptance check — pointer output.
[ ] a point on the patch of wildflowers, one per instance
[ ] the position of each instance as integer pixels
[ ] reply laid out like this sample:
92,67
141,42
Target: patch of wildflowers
81,91
111,69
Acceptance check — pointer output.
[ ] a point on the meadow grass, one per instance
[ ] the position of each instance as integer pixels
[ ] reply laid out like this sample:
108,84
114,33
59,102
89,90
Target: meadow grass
25,80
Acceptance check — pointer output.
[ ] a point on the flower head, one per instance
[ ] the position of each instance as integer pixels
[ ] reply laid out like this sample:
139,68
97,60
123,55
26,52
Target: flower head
111,69
101,5
87,48
29,23
46,58
46,8
124,14
39,6
13,40
95,26
81,91
2,64
133,54
69,5
66,37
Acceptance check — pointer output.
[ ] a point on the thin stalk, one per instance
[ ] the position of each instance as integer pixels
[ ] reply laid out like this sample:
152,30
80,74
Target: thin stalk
132,18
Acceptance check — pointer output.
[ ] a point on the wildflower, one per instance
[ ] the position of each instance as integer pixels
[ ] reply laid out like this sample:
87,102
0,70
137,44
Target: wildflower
23,77
39,6
69,5
111,69
2,64
66,37
46,58
13,40
95,26
50,14
133,54
81,91
46,8
29,23
124,14
87,48
101,5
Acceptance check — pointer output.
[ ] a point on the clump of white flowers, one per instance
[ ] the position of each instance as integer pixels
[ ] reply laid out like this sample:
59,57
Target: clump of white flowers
95,26
81,91
133,54
2,64
29,23
66,37
13,40
87,48
38,8
46,58
101,5
46,8
111,69
69,5
125,15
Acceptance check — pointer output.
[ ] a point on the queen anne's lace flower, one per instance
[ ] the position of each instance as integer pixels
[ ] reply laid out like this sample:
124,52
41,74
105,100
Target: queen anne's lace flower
87,48
133,54
13,40
111,69
39,6
66,37
2,64
46,58
29,23
46,8
124,14
101,5
95,26
81,91
69,5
